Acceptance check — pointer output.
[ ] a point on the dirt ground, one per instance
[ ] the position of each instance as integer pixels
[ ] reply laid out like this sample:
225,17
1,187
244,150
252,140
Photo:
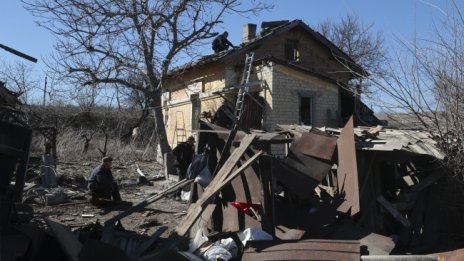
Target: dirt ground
78,212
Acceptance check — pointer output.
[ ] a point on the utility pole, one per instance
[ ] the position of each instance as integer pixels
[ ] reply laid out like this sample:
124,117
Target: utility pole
45,91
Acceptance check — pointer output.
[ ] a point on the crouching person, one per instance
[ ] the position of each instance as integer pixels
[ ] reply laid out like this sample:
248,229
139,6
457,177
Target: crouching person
101,184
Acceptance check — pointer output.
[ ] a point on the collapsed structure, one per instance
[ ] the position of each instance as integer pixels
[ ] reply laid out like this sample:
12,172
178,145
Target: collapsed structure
378,187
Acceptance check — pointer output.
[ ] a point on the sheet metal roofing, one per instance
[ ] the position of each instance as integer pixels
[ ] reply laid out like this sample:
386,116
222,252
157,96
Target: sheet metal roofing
413,141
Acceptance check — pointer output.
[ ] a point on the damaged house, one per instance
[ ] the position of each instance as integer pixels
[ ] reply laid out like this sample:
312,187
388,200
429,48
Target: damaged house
298,77
338,192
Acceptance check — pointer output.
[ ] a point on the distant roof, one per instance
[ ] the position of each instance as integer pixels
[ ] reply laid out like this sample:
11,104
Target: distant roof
270,30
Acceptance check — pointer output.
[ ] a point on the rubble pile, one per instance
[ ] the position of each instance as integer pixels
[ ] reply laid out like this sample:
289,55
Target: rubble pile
338,194
301,193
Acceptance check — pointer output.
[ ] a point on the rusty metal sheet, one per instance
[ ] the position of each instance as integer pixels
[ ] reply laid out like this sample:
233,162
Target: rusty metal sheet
347,172
314,249
315,145
314,168
301,173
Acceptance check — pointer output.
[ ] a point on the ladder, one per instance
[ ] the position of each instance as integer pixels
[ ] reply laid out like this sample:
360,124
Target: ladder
244,87
179,130
239,106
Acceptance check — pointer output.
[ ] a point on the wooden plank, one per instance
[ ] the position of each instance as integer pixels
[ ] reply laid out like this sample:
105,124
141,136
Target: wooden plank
150,200
393,211
216,184
195,210
110,223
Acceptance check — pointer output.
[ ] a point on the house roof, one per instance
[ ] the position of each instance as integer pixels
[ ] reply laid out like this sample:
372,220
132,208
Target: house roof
272,31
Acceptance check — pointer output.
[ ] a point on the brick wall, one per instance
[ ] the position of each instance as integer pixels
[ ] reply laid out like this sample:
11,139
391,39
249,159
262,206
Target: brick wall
287,87
313,55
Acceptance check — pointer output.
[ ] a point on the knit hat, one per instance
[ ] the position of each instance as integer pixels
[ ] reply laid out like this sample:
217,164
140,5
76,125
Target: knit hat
107,159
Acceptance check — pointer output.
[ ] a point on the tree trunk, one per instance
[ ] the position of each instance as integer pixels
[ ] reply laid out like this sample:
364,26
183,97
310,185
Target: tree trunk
159,123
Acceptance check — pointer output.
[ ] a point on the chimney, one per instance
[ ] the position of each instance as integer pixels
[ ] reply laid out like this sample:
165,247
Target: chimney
249,32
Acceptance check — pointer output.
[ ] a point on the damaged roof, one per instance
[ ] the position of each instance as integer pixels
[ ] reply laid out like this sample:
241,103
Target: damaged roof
382,139
268,33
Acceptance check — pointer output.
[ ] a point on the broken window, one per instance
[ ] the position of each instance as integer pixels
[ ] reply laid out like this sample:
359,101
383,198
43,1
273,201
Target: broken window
306,106
292,52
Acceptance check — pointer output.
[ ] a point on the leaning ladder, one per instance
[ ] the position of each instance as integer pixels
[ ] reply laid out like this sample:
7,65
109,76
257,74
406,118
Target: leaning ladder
244,87
179,130
239,106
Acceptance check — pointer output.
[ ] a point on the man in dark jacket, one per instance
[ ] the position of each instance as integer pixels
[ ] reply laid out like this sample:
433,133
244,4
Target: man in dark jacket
101,183
220,43
184,154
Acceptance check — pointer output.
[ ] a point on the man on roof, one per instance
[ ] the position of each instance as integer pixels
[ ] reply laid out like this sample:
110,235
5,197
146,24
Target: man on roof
220,43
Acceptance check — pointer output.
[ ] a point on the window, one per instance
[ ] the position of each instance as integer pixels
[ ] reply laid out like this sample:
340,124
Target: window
292,52
306,106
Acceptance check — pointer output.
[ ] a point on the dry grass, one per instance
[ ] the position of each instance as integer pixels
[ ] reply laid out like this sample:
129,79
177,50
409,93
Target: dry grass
75,126
70,146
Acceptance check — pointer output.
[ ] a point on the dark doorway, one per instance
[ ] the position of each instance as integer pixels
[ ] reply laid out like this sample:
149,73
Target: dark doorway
306,110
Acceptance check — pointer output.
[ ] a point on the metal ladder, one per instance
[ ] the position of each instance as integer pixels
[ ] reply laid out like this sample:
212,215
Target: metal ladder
244,87
179,130
239,106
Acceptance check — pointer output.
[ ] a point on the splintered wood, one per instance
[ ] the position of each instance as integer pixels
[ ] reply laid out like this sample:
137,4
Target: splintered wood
222,178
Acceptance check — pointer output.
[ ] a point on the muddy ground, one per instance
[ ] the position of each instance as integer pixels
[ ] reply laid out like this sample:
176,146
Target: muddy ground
78,212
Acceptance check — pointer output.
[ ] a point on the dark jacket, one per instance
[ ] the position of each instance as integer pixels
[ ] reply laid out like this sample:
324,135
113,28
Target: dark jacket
101,181
184,154
221,42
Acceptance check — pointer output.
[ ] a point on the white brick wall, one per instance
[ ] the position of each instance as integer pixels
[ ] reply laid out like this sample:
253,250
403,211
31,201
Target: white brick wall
287,85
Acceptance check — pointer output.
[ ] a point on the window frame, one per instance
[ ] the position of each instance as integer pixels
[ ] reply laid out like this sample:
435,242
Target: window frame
295,52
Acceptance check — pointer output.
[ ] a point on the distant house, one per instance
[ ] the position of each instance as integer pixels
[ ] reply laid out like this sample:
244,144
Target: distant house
299,77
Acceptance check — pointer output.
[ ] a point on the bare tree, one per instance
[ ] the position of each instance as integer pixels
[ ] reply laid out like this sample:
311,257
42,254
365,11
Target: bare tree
426,85
18,77
359,41
107,41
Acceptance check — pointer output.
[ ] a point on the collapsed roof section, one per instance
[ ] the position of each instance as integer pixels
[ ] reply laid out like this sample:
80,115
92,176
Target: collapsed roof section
382,139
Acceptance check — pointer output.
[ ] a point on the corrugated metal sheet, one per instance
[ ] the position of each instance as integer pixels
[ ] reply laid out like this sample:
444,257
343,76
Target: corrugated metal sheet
413,141
408,140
